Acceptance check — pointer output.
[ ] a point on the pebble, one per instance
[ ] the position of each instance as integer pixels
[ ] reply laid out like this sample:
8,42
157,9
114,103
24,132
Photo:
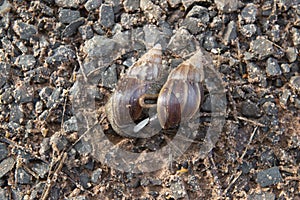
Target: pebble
154,35
129,20
83,148
230,33
67,3
25,62
6,97
250,109
249,13
22,177
131,5
274,33
6,165
295,36
3,151
273,68
91,5
96,175
174,3
4,73
284,97
16,115
295,83
151,11
72,28
291,54
106,16
58,142
86,32
62,54
67,16
269,177
24,30
109,77
71,125
227,6
248,30
196,20
262,47
182,43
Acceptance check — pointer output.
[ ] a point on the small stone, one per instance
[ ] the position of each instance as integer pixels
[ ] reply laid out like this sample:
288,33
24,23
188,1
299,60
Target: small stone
230,34
250,109
67,3
274,33
129,20
84,180
71,125
249,13
285,68
67,16
295,83
270,108
3,193
269,177
45,93
16,115
151,10
45,146
291,54
26,62
41,169
23,94
131,5
5,8
6,96
62,54
86,32
154,35
255,73
4,73
106,16
96,175
109,77
54,98
178,189
262,47
24,30
58,142
6,165
97,28
71,29
3,151
295,36
22,177
83,148
174,3
273,68
210,43
248,30
227,6
91,5
182,43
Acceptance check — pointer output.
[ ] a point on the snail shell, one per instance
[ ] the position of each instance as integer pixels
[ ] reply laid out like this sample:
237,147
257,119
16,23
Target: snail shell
123,107
182,94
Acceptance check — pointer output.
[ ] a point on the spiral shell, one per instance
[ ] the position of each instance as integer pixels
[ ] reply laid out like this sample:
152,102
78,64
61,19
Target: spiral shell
123,106
181,96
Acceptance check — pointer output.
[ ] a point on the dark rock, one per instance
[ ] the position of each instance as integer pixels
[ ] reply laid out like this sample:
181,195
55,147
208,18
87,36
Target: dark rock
174,3
210,42
269,177
262,47
116,4
230,34
106,16
268,158
109,77
6,165
255,73
41,169
249,13
62,54
71,125
91,5
248,30
24,30
26,62
85,180
3,151
4,73
250,109
86,32
129,20
295,83
67,3
45,93
71,29
206,105
295,36
270,108
16,115
22,177
6,96
98,28
200,13
274,33
45,146
131,5
83,148
273,68
227,6
58,142
23,94
54,98
67,16
182,43
291,54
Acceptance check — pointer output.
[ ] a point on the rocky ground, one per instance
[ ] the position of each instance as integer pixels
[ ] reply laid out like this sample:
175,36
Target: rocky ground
47,46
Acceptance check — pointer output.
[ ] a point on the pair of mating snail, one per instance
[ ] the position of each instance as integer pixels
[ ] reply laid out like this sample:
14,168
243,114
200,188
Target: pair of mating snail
177,100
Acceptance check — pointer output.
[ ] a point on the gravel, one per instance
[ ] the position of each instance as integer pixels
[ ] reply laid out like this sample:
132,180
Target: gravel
59,56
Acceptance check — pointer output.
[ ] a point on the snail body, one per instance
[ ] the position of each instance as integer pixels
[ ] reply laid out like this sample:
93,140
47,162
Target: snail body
123,107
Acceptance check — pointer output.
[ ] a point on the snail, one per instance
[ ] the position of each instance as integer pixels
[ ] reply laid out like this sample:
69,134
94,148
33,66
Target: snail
176,101
181,95
123,107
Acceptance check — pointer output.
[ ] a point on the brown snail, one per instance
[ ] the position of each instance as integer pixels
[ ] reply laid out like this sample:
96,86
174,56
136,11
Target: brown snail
178,99
123,107
181,96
